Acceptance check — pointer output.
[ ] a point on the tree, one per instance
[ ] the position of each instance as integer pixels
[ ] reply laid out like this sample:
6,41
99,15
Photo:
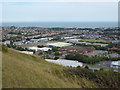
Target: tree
86,67
101,69
34,51
4,48
78,66
56,58
8,45
57,53
40,46
86,59
54,49
70,56
20,48
79,57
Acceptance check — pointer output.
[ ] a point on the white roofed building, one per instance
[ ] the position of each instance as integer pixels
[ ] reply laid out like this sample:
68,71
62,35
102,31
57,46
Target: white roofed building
26,52
115,64
41,49
6,42
64,62
58,44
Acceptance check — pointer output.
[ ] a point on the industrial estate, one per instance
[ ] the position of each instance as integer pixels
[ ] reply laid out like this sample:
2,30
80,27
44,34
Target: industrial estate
96,48
52,44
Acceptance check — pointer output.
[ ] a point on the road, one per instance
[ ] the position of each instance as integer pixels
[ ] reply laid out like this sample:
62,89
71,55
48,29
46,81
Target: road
102,64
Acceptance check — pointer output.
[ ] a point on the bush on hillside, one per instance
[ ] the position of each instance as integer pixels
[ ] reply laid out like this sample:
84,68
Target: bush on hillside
4,48
105,79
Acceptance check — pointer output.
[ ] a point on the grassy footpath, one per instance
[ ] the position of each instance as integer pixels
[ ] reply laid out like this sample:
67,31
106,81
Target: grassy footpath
26,71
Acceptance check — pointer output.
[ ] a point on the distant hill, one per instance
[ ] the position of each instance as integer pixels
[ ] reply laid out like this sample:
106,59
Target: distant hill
27,71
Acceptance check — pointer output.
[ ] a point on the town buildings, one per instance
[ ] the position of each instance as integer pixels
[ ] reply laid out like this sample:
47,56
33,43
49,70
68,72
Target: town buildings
65,40
115,64
75,50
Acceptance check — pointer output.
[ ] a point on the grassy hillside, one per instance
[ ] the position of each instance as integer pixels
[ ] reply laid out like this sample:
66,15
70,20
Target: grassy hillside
26,71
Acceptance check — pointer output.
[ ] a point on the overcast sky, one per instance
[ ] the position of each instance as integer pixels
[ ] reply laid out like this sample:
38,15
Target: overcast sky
59,11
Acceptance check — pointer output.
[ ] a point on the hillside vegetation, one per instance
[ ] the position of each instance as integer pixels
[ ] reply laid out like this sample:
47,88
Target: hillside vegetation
26,71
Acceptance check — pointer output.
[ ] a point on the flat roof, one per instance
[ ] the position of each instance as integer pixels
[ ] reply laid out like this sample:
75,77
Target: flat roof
65,62
115,63
42,49
59,44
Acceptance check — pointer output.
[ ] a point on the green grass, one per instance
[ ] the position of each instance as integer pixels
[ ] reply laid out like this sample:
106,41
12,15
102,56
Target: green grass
92,40
26,71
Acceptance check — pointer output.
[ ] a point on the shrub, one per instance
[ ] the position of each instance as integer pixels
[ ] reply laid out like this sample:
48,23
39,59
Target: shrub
40,46
56,58
4,48
105,79
86,67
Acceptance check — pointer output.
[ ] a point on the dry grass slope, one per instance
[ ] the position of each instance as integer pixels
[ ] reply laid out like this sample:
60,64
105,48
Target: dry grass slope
26,71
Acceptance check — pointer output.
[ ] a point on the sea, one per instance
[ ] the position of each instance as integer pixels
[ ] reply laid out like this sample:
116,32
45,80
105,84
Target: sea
64,24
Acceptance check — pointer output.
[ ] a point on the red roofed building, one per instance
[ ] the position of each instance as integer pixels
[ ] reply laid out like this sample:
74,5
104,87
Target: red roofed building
76,50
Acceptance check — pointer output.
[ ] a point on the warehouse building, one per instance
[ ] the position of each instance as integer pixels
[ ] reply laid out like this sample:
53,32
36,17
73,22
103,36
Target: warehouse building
58,44
115,64
69,63
40,49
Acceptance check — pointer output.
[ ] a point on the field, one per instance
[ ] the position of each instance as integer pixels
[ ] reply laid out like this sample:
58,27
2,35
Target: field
92,40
